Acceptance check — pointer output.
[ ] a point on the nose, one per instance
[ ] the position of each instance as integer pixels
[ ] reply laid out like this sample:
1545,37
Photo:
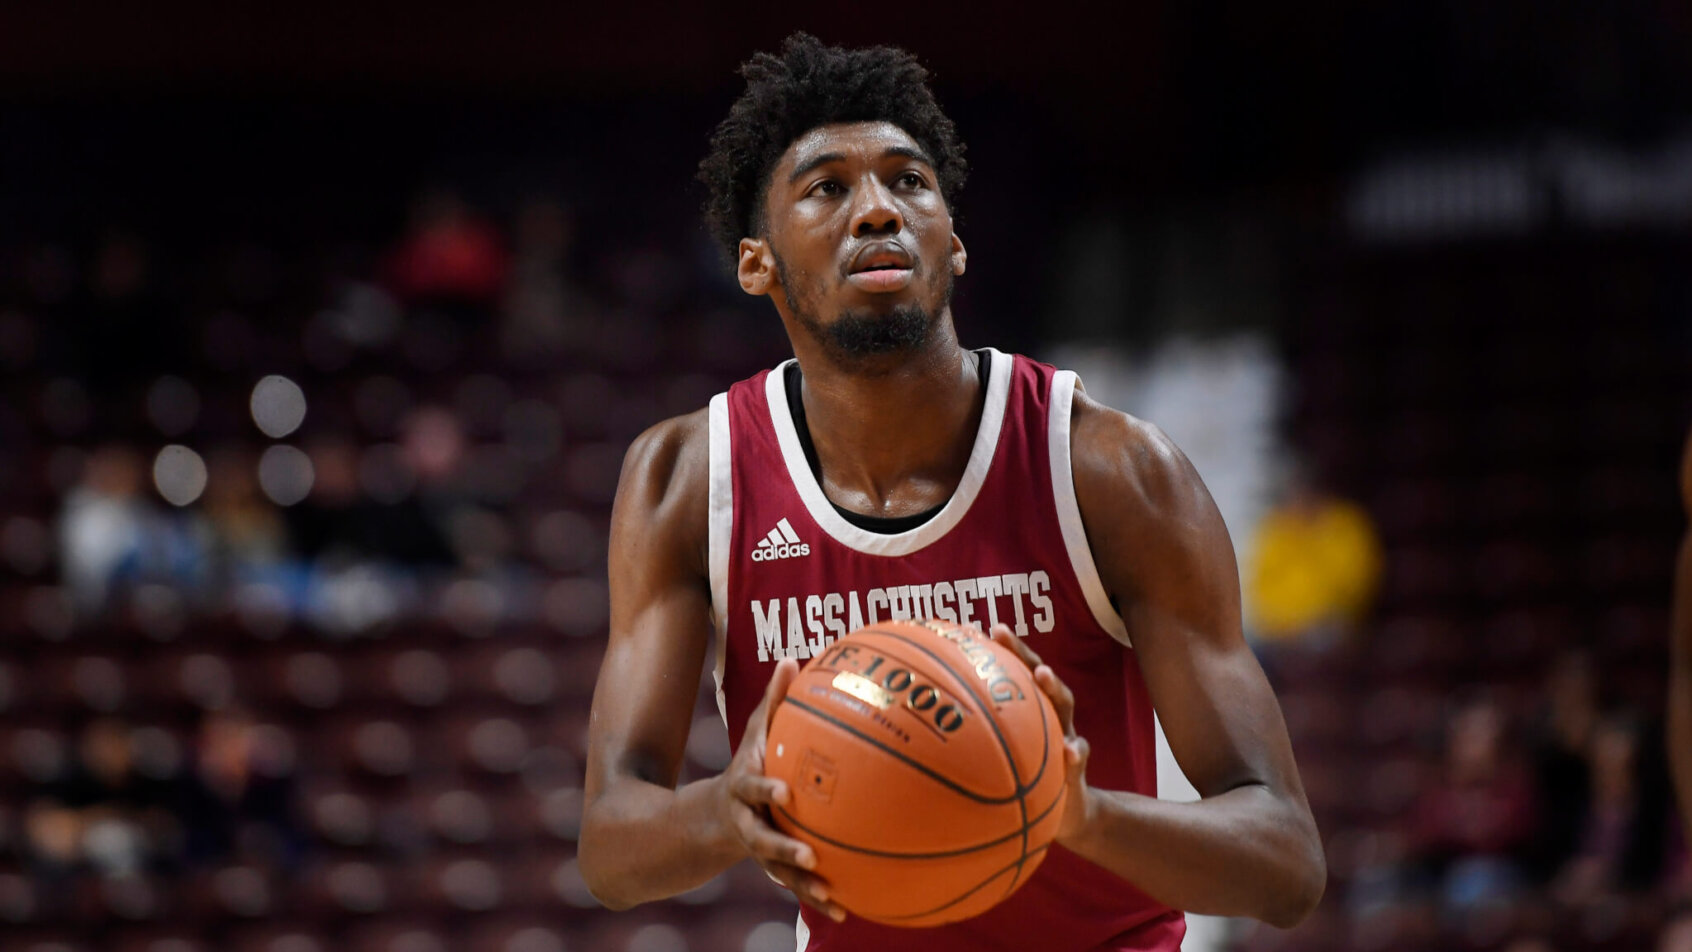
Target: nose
875,212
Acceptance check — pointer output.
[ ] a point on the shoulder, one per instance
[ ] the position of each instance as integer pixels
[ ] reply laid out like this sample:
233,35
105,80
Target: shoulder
677,448
1151,523
1117,454
666,476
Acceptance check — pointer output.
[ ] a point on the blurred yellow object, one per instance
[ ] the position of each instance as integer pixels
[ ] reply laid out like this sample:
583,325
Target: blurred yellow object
1313,565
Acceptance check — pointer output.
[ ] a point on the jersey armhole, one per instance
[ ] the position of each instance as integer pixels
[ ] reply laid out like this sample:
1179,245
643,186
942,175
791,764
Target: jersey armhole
720,503
1064,385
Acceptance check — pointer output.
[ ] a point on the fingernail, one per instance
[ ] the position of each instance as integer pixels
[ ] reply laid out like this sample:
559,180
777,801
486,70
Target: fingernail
821,893
838,915
808,859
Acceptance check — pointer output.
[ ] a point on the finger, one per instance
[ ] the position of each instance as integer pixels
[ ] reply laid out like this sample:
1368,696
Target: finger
785,671
758,790
1004,636
1063,700
810,889
1076,750
767,845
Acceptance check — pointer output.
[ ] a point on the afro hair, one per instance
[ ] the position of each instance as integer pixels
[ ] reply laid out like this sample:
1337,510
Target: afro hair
806,86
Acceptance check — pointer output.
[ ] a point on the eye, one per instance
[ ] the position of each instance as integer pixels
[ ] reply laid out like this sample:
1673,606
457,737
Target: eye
912,180
828,187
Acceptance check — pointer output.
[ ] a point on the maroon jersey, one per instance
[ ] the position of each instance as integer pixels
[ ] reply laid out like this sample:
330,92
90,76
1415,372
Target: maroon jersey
790,574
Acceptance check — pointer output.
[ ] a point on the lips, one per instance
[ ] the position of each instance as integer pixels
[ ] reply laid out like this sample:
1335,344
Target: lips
880,267
880,256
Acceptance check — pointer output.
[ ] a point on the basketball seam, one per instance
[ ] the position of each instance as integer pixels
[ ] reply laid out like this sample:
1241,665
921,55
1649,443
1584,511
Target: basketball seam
1004,748
960,851
985,706
972,891
904,758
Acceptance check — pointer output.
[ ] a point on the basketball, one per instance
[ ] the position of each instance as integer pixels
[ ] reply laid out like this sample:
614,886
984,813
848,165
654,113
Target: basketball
925,767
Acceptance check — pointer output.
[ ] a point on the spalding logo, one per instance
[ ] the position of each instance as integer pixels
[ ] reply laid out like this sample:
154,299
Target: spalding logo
999,685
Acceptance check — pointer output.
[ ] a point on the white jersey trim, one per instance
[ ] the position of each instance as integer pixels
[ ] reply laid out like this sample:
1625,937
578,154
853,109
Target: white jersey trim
1069,510
720,528
913,540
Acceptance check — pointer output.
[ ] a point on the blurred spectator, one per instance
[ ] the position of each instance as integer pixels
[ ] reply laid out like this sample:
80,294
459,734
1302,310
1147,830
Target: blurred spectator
111,532
433,442
1470,827
546,312
1313,566
450,256
1622,834
247,533
238,800
362,506
103,814
1569,714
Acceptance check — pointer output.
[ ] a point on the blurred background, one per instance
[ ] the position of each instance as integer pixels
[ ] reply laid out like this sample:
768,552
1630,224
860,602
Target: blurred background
323,329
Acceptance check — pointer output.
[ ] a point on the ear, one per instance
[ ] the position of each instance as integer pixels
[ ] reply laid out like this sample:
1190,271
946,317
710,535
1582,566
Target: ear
756,267
960,257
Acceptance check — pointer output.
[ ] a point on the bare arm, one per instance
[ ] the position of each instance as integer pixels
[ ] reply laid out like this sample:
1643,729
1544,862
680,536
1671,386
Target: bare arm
1249,846
642,837
1680,654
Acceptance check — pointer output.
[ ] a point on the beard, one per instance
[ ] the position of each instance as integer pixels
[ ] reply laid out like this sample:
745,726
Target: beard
858,338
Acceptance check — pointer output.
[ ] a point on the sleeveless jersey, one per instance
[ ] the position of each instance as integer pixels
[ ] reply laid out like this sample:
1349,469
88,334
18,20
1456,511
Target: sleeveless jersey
789,575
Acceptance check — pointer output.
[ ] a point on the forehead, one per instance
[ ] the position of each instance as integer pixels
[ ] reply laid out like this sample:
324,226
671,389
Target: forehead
851,139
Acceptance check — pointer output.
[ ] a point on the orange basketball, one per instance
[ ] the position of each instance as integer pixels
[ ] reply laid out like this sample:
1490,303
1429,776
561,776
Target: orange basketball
925,768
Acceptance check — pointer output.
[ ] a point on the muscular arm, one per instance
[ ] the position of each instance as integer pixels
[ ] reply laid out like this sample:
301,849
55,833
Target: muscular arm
641,837
1249,846
1680,654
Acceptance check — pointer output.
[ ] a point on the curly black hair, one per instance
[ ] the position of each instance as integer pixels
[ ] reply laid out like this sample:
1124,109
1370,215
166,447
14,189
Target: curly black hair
806,86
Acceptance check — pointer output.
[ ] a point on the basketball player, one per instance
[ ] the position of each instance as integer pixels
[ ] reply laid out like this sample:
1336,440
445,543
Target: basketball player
887,472
1680,670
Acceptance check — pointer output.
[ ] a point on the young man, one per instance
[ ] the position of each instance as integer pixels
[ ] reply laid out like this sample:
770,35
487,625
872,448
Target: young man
886,472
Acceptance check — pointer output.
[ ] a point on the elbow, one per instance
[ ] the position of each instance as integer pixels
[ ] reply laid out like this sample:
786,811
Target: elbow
1304,886
597,876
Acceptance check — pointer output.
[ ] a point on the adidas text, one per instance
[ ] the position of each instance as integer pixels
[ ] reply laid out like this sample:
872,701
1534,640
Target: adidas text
768,553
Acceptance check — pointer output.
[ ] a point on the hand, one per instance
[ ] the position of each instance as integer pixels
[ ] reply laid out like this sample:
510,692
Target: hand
748,795
1077,796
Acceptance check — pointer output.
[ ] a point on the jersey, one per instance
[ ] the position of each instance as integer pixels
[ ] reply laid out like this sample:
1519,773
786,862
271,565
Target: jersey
789,575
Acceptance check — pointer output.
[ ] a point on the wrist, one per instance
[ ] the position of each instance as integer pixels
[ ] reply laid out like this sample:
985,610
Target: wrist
1075,833
717,826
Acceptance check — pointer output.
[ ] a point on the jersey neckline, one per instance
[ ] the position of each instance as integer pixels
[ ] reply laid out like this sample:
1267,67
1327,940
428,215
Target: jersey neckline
792,381
822,511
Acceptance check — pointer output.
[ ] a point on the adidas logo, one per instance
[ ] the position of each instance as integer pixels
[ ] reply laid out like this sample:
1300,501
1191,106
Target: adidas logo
781,543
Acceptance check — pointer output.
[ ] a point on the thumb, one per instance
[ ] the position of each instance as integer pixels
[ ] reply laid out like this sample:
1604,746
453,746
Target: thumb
1075,753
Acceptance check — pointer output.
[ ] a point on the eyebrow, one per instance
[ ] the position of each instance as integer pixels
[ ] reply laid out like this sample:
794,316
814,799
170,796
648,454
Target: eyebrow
817,162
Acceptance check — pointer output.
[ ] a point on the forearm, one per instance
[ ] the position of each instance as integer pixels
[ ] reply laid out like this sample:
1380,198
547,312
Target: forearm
1246,852
641,842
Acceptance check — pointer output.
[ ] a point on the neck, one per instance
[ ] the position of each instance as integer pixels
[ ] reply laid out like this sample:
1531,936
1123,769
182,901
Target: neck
893,440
